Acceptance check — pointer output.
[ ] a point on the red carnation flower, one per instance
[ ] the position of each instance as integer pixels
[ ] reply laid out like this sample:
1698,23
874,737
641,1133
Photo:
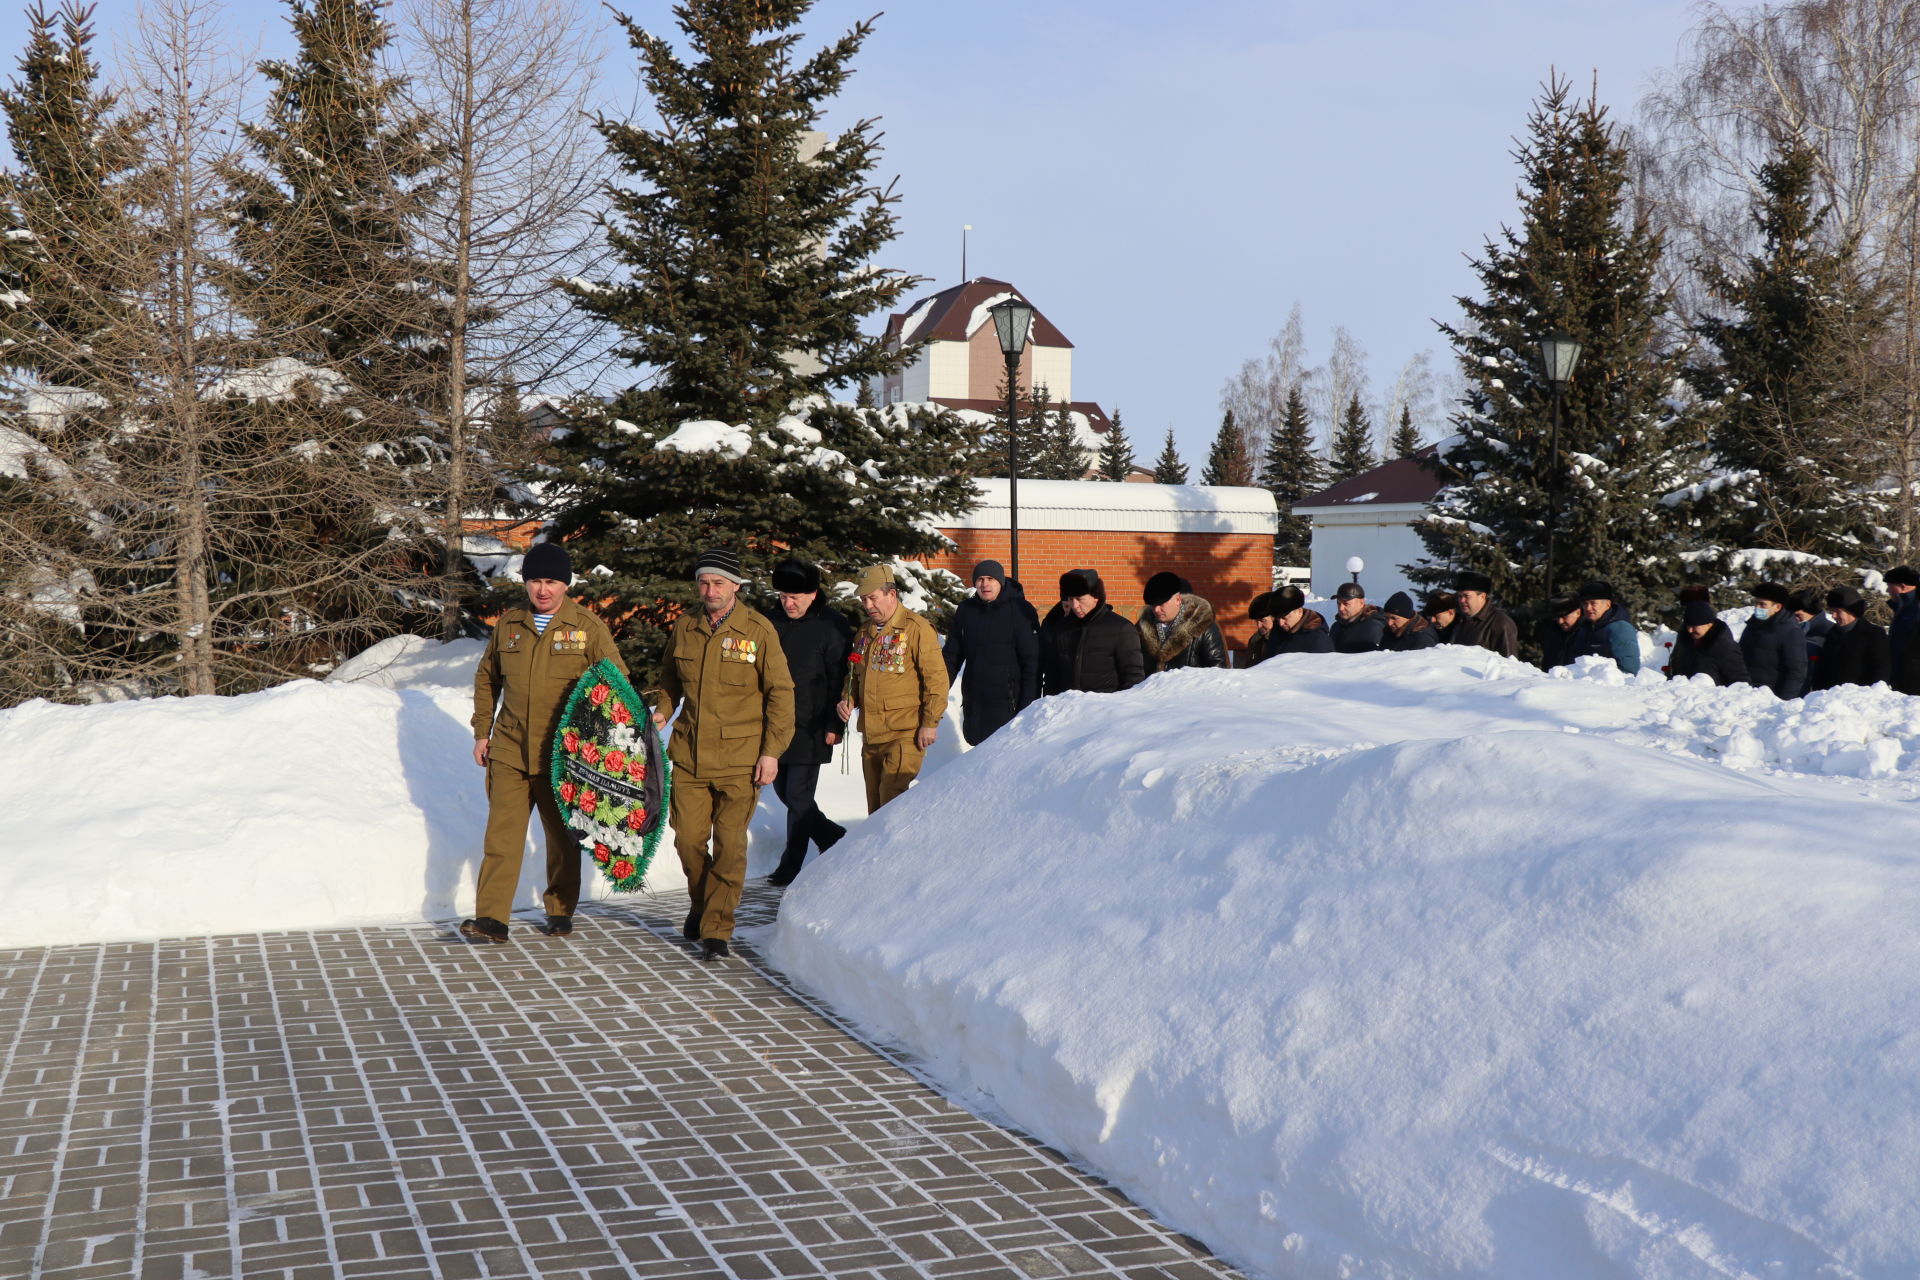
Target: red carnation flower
616,762
620,714
602,854
591,752
853,657
621,869
637,768
568,791
600,694
637,819
588,802
570,740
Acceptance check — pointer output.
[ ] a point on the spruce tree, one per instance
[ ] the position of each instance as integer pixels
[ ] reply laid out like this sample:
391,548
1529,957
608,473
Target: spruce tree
1055,452
1797,309
1582,260
1406,437
1116,452
1292,470
1167,468
1227,461
744,270
1353,443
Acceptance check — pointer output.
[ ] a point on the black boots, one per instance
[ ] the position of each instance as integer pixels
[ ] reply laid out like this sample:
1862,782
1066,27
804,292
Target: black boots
714,948
483,929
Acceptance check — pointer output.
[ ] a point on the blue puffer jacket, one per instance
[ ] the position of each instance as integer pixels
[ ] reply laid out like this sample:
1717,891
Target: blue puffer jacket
1610,637
1776,654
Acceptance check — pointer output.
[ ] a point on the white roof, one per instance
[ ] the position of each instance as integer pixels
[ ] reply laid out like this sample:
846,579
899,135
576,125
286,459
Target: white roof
1123,508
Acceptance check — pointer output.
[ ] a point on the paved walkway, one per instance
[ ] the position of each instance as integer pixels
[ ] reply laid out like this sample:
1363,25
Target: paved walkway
390,1102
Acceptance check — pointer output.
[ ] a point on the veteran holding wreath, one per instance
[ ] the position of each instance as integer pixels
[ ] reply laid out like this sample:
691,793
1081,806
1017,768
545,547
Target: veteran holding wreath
725,660
532,660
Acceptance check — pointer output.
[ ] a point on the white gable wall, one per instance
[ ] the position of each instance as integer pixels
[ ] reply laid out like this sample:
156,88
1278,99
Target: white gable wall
1053,369
1381,534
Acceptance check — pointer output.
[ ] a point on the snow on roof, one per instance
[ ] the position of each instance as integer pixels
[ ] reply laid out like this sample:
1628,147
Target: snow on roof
979,314
1123,508
1401,482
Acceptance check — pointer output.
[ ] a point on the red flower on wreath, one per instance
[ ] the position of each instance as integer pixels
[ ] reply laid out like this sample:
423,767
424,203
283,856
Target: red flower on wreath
637,768
591,752
570,740
602,854
621,869
620,713
588,802
616,762
568,791
600,694
637,819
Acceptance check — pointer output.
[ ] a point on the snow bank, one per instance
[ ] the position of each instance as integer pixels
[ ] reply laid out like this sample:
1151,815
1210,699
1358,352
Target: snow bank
1425,964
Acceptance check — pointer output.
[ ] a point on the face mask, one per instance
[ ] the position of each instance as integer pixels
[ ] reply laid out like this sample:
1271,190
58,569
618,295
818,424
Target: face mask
1761,613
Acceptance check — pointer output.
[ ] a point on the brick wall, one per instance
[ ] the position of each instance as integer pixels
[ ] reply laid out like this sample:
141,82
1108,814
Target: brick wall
1227,570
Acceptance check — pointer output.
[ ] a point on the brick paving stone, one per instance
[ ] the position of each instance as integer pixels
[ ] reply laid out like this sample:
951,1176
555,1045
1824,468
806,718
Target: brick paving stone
389,1103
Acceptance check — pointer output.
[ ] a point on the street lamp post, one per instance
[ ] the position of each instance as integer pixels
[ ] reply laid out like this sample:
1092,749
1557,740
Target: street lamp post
1559,353
1356,566
1011,321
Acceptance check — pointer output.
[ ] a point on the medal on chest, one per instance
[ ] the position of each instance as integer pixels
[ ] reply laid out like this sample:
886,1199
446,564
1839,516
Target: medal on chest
569,640
739,649
889,653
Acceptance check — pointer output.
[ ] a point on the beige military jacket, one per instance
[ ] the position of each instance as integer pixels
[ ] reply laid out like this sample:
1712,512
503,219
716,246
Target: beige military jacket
524,678
898,677
738,690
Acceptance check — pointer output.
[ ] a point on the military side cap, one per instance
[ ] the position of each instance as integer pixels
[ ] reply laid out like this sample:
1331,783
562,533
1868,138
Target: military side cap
877,578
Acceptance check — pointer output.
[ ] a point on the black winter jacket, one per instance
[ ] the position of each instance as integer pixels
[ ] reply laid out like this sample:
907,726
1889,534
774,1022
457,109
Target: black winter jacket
1776,654
995,651
1099,653
1558,648
1195,640
1714,655
1419,633
816,644
1362,635
1312,637
1854,654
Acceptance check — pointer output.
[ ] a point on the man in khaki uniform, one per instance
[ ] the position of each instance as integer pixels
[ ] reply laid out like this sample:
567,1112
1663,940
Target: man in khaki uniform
534,657
898,682
726,661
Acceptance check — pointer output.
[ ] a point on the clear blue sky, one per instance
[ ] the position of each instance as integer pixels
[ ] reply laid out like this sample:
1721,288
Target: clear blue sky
1166,180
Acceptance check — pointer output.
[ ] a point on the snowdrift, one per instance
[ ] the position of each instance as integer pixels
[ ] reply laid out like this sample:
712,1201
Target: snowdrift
1426,964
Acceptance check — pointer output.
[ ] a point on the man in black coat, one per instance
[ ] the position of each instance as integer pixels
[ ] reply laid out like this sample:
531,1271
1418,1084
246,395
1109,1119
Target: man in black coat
816,641
1177,627
1296,628
1712,651
1483,624
1084,644
1406,629
1557,635
1357,625
1809,610
1903,597
1856,650
1774,643
993,648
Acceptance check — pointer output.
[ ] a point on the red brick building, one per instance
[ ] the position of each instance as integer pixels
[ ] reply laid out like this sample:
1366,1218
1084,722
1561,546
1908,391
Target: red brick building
1220,539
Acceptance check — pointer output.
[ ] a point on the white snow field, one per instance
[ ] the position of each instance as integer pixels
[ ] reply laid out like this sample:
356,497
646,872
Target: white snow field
1425,965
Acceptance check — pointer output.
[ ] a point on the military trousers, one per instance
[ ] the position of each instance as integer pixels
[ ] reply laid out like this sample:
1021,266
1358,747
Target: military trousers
890,767
512,796
713,811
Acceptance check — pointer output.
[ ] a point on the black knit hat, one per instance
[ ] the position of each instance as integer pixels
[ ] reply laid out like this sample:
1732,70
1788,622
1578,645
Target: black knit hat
1263,606
990,569
1594,589
1902,576
1848,598
720,561
796,577
1472,580
1286,600
547,560
1773,591
1698,613
1163,586
1350,591
1082,582
1399,605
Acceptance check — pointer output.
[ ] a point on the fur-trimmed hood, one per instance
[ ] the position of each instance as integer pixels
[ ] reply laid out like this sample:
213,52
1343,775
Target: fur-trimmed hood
1195,616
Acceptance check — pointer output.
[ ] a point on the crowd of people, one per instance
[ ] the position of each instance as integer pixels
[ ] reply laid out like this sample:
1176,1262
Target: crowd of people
758,700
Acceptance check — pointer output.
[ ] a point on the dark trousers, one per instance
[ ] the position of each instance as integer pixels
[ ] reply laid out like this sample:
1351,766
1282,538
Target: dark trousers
795,784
